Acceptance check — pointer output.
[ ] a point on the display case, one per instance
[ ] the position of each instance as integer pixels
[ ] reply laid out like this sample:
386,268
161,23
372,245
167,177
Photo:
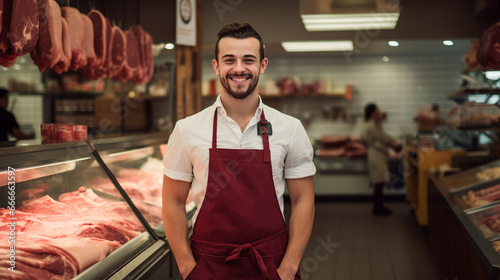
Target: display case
464,222
57,224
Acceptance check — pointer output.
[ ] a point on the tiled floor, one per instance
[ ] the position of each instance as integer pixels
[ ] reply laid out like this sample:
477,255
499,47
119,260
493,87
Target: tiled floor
349,243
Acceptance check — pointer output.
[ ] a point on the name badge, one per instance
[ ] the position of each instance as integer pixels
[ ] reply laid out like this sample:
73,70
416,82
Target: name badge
264,127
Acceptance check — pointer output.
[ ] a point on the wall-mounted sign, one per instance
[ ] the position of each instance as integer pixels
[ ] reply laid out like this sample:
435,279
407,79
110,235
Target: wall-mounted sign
186,22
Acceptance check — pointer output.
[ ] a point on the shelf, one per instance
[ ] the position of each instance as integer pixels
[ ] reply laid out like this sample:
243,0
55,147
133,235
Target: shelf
280,96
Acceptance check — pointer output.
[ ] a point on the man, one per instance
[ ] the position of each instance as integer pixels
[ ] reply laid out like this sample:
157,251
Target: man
8,123
236,157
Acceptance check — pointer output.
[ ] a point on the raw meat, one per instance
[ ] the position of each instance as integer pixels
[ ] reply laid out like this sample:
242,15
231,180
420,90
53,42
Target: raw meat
76,36
133,56
89,41
470,58
48,49
489,50
140,36
99,25
148,49
119,49
1,12
24,26
46,205
332,153
65,58
4,31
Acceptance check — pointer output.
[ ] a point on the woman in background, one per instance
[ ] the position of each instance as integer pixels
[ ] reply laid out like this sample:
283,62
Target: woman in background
378,144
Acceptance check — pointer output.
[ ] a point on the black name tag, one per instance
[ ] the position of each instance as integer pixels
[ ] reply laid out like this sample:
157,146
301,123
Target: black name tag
264,127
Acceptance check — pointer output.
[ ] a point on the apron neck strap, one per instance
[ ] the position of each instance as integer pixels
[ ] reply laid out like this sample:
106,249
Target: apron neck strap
265,137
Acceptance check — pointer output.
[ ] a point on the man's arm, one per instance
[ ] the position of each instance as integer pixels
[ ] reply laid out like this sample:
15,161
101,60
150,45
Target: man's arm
175,222
301,193
16,131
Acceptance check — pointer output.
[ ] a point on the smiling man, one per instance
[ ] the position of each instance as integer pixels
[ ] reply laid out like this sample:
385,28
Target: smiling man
237,157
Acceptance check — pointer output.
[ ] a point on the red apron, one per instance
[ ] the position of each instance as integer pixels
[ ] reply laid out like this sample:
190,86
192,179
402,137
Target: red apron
239,232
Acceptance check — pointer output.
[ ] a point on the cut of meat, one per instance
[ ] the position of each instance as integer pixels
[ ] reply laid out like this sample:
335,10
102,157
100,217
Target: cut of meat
48,49
24,26
489,50
4,32
148,49
119,49
1,12
133,57
46,205
140,35
99,25
89,41
65,57
76,36
8,59
470,58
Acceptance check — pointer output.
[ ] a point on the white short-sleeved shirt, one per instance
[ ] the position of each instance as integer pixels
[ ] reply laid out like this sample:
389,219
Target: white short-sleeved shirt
187,155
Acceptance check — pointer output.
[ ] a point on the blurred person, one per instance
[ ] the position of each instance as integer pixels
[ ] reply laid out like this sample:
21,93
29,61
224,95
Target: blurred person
8,123
378,143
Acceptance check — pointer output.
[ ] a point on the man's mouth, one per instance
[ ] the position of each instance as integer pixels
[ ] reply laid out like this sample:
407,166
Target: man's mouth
239,79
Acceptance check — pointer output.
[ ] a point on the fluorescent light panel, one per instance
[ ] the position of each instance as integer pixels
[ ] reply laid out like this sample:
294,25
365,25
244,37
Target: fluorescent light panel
317,46
326,22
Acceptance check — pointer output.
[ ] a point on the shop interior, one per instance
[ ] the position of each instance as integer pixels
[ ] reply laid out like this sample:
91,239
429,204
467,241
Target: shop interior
423,73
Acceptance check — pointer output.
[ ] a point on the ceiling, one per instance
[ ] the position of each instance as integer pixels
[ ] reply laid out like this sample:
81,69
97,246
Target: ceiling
422,26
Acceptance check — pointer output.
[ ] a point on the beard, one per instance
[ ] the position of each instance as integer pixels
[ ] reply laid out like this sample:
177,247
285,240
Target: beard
238,91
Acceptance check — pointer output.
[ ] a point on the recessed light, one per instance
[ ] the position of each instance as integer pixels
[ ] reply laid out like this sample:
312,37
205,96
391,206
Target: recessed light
385,59
169,46
393,43
317,46
448,43
361,21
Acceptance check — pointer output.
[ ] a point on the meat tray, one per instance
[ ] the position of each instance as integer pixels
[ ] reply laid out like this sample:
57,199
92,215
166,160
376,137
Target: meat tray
469,180
55,203
487,221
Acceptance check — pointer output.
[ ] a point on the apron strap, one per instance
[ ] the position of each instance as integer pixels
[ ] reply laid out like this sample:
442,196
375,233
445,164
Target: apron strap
256,257
265,136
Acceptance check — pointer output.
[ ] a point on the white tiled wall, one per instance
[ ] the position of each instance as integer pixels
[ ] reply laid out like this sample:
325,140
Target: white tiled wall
400,87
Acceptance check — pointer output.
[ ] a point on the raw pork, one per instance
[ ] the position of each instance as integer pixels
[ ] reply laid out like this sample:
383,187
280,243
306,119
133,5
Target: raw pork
89,41
65,58
118,51
133,56
24,26
470,58
489,50
48,49
7,57
99,25
140,35
148,50
76,36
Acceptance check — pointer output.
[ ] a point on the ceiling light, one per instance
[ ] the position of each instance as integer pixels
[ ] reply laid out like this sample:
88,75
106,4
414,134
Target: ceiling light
393,43
317,46
169,46
448,43
385,59
492,75
364,21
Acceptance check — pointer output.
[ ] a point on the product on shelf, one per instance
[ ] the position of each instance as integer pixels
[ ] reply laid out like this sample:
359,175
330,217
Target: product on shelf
489,53
489,174
482,197
496,245
479,119
77,36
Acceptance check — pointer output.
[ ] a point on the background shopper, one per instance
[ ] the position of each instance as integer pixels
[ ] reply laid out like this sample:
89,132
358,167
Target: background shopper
378,143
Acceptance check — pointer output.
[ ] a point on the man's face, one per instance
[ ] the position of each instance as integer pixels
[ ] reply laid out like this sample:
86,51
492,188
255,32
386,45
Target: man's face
239,66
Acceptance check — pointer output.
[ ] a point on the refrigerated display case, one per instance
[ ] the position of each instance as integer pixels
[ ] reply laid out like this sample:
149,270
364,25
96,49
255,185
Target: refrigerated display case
464,222
62,226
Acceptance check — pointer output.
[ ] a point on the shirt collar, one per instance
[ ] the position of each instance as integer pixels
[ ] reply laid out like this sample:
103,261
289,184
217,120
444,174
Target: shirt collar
218,106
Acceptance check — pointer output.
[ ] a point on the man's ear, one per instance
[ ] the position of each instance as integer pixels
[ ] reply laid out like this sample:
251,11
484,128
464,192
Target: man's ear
215,65
263,65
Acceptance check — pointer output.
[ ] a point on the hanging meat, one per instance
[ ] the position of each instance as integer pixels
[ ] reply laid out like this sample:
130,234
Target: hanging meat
7,57
489,50
470,58
140,35
48,49
24,26
76,36
65,58
102,35
148,49
118,52
133,56
88,46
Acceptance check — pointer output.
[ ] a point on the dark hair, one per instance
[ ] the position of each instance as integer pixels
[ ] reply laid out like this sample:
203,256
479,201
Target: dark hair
3,92
238,30
369,109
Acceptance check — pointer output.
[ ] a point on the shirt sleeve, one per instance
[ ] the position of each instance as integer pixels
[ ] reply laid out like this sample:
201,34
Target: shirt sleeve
177,163
299,159
11,122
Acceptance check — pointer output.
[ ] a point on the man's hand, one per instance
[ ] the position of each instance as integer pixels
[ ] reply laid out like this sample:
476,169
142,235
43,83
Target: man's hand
186,269
286,274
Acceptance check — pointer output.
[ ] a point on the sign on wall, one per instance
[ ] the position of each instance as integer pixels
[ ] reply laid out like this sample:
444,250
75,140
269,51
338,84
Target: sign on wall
186,22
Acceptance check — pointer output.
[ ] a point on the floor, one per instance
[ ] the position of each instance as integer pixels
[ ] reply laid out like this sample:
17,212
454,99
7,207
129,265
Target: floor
348,242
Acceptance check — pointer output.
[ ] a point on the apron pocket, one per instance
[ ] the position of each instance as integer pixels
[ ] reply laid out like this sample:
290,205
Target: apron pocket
207,268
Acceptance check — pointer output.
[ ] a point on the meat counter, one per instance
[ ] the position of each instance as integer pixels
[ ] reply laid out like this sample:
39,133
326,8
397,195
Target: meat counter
464,223
60,222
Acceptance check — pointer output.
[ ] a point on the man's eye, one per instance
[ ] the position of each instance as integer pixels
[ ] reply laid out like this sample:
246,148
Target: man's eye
229,60
250,61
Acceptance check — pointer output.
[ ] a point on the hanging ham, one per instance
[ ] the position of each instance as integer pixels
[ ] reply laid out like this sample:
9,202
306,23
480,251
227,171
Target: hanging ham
24,26
7,57
88,46
65,58
76,36
132,57
119,49
140,36
489,50
48,49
